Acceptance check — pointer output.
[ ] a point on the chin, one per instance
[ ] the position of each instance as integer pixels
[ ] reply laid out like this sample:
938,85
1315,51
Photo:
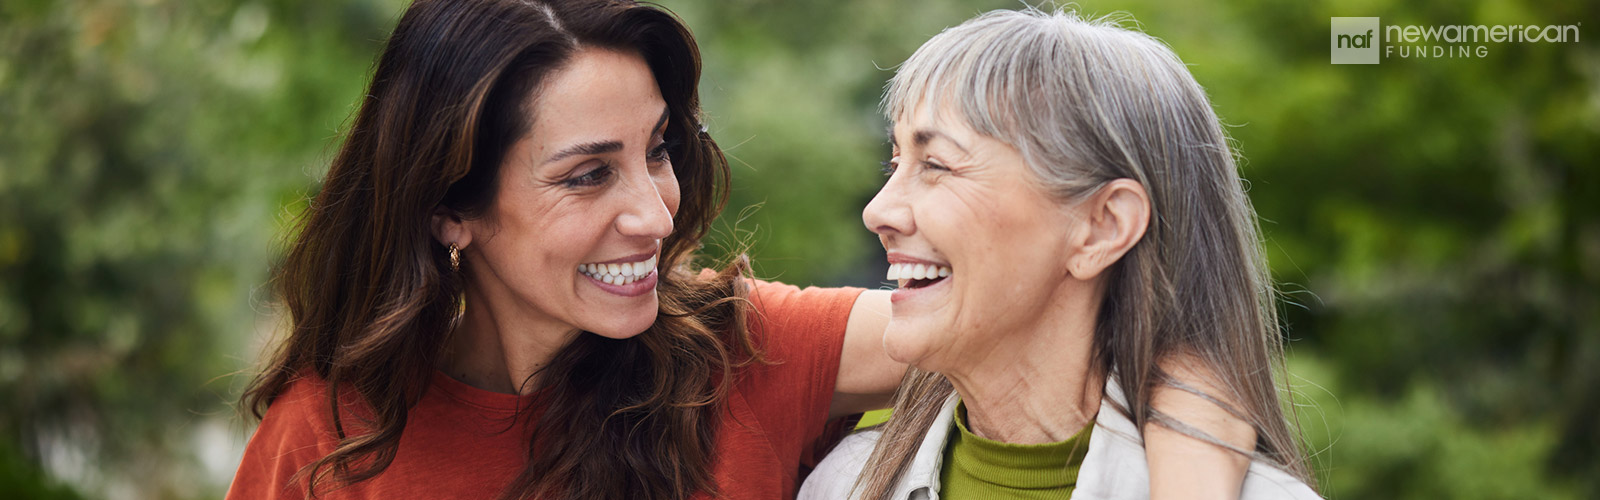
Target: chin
627,326
904,343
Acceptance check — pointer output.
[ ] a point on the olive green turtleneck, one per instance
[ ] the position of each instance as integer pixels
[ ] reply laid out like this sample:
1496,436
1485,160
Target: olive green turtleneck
978,468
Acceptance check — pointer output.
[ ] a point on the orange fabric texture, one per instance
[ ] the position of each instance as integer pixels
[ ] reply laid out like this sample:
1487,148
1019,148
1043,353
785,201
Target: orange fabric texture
464,442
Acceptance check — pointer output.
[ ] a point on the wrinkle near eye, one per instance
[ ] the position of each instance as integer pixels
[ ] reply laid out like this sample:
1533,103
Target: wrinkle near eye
976,200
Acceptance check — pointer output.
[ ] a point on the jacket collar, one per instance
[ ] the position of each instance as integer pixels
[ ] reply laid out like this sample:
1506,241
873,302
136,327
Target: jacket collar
923,474
1115,468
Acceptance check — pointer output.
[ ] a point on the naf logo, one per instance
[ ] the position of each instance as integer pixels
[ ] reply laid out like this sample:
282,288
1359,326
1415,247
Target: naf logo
1355,40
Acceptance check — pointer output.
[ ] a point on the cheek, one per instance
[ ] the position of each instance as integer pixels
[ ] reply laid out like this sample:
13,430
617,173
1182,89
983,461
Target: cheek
667,185
1002,253
549,236
1019,268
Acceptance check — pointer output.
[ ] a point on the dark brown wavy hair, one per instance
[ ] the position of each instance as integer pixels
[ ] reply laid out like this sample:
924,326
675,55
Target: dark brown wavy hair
372,299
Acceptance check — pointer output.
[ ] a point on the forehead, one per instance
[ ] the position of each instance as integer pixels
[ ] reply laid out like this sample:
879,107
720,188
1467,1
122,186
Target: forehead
921,125
924,125
599,92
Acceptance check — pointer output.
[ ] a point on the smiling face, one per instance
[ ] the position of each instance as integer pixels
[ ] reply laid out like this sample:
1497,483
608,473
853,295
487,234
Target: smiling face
583,202
966,206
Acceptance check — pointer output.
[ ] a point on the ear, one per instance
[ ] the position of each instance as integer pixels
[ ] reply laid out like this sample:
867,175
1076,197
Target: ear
448,229
1115,217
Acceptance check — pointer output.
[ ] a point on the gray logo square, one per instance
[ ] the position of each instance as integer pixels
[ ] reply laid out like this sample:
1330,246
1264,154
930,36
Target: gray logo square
1355,40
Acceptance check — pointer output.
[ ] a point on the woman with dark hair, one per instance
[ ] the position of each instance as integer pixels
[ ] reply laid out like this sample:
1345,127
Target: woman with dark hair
518,174
494,294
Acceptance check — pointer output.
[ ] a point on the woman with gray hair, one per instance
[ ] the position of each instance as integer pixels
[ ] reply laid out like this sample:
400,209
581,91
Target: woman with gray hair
1064,216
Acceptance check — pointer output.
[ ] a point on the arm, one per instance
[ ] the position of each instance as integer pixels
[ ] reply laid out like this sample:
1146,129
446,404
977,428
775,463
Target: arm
1185,467
867,376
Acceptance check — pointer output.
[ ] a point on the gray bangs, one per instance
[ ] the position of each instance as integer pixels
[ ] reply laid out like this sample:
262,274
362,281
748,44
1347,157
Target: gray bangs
1054,85
1087,102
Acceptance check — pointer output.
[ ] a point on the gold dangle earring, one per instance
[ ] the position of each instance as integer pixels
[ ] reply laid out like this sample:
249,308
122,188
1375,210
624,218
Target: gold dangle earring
461,300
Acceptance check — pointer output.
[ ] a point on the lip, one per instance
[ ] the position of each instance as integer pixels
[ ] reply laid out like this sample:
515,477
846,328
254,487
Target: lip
903,294
631,258
900,258
639,287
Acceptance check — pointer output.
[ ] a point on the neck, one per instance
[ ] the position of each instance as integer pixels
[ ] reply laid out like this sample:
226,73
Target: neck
1036,384
499,345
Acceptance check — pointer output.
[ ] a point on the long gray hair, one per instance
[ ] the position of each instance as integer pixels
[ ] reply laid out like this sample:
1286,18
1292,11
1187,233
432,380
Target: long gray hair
1087,102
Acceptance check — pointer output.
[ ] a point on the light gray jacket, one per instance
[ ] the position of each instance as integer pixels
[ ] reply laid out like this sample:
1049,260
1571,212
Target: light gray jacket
1114,469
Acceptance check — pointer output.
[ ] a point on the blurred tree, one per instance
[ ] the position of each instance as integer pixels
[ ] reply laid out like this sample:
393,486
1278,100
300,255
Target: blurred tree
147,150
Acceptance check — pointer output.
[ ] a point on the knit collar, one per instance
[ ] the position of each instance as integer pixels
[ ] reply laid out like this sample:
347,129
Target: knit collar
1021,466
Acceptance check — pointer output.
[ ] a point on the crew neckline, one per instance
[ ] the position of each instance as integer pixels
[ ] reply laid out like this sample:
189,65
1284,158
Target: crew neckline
1021,466
481,398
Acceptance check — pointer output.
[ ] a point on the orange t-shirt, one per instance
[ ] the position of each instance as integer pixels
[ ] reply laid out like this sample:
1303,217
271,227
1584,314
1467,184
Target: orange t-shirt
464,442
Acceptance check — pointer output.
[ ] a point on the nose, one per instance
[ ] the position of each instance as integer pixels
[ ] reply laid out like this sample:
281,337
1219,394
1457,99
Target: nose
645,213
889,214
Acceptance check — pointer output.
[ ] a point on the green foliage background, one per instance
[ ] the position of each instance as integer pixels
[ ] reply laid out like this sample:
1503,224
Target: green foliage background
1434,222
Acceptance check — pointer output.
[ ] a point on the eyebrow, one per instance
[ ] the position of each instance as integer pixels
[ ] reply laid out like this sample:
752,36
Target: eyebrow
588,148
599,147
923,136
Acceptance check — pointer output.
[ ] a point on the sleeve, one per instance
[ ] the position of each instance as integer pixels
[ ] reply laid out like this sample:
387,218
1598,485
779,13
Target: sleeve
801,333
287,440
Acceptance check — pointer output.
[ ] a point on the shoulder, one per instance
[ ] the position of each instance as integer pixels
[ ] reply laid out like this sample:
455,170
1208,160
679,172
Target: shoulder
800,333
836,474
807,325
301,410
1117,466
294,432
1266,482
300,419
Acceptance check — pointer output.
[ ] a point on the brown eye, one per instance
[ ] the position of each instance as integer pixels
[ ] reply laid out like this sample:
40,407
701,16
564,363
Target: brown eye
662,152
592,178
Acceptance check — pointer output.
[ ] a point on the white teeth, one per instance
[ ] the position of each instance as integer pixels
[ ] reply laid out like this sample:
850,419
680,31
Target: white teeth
908,271
619,274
